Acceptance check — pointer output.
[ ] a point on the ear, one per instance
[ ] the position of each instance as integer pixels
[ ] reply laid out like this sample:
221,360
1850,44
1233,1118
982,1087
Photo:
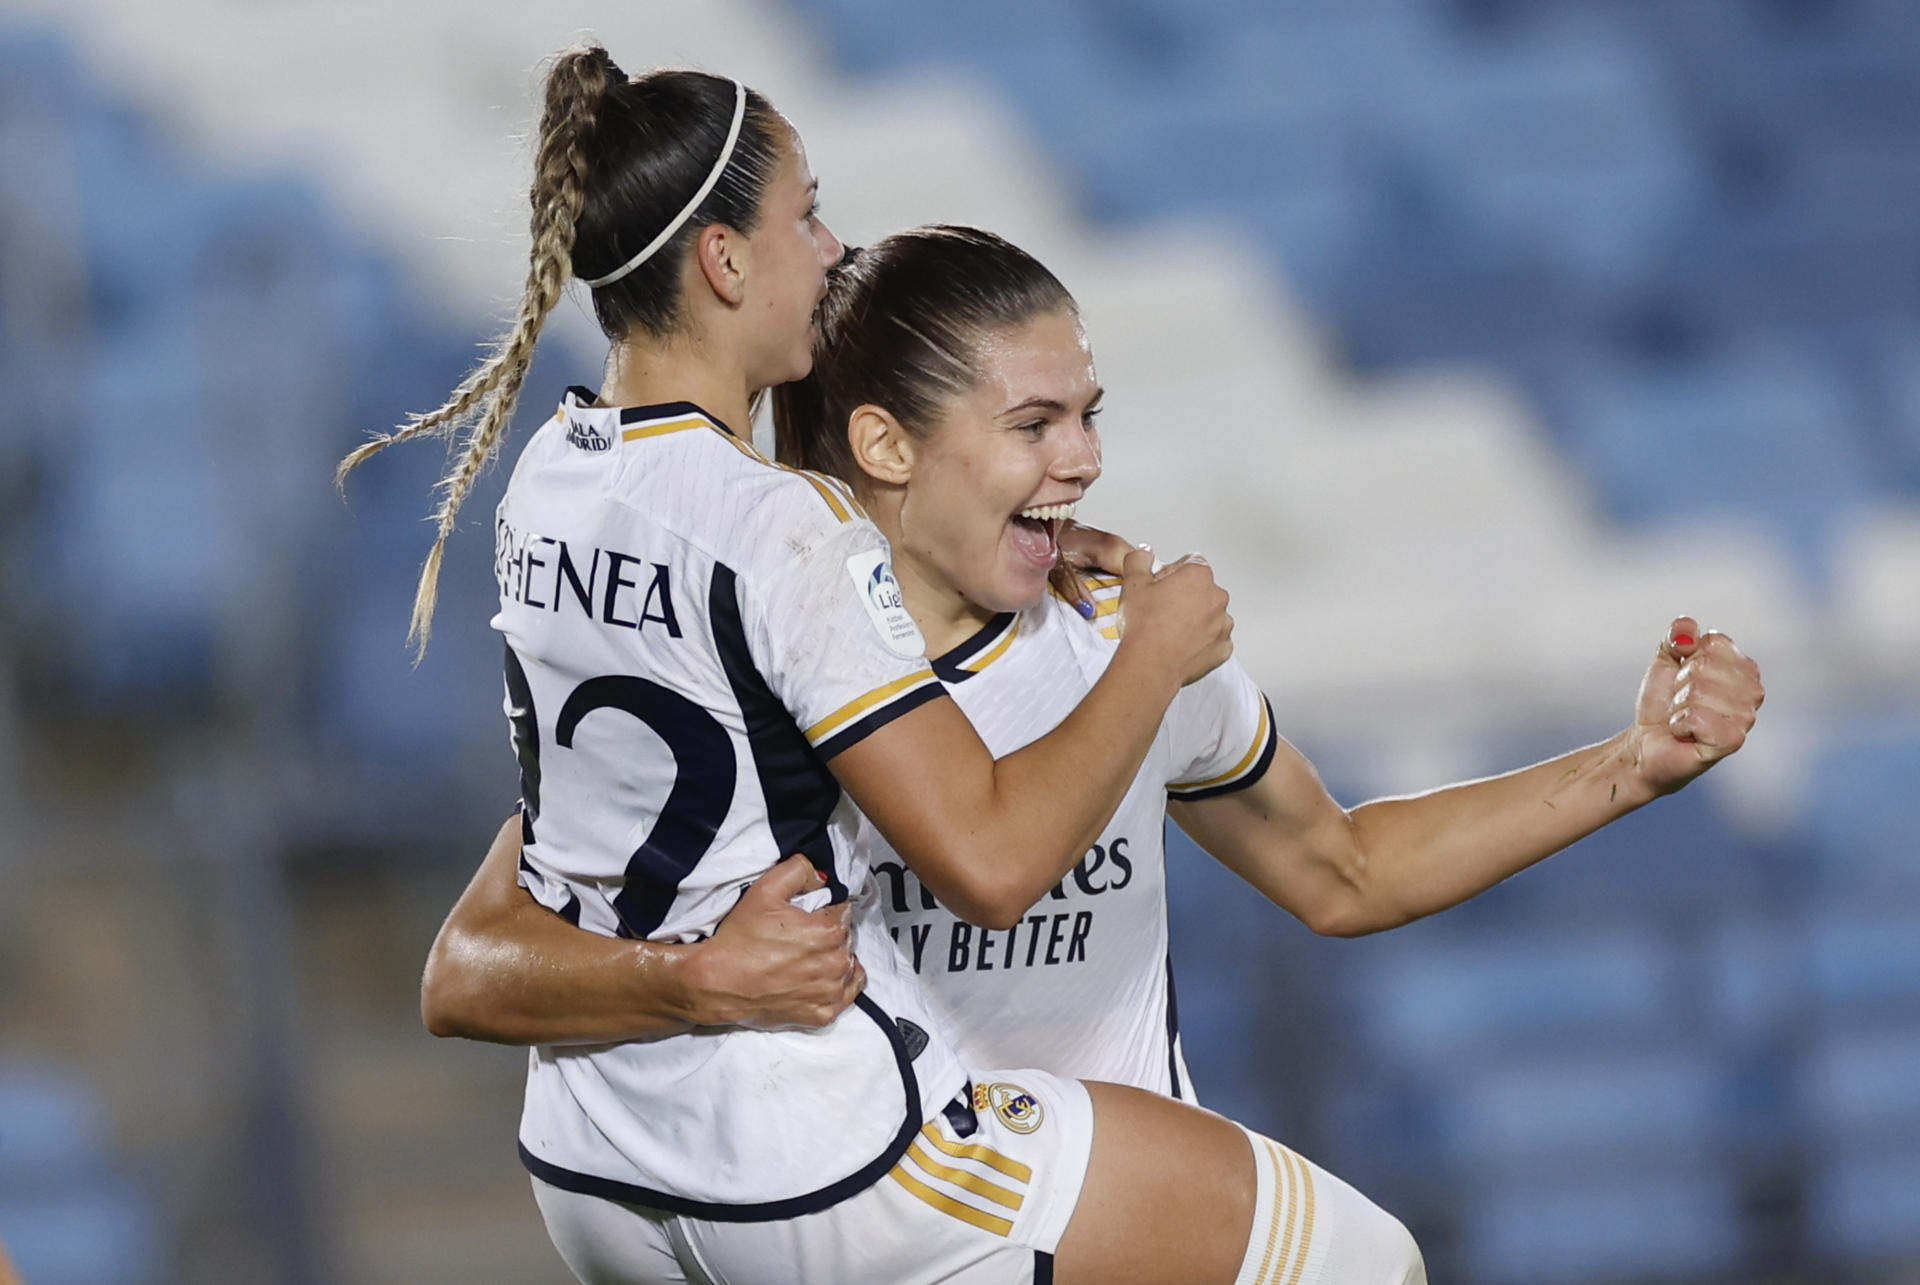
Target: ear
881,447
721,253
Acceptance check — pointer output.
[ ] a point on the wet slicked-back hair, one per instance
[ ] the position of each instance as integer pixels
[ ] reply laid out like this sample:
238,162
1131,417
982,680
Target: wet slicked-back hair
616,160
901,328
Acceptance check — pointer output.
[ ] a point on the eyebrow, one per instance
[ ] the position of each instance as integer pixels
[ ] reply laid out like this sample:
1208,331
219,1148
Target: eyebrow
1051,405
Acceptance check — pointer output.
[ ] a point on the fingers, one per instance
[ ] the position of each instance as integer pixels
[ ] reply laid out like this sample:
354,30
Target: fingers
787,880
1090,548
1137,566
1717,690
1682,640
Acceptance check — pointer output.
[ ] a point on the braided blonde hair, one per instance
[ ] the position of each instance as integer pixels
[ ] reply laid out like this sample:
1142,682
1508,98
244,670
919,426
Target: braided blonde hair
484,401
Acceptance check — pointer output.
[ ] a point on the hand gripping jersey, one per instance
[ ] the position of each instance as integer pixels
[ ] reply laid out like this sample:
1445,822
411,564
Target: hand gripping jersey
691,632
1082,986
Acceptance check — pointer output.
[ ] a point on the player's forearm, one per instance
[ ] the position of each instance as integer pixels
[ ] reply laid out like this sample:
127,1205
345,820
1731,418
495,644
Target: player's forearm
1418,855
536,979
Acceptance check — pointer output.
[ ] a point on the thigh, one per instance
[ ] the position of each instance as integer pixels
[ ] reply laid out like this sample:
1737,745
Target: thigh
1168,1197
604,1242
1175,1195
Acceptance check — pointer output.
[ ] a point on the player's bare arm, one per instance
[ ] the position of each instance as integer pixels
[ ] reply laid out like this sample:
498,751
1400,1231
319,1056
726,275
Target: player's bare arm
504,968
1394,860
990,837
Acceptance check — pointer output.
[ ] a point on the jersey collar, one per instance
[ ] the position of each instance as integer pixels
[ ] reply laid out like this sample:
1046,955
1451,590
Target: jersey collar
982,649
579,401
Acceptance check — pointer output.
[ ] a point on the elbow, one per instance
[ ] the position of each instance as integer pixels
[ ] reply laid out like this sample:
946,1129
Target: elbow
993,909
1343,917
441,1009
993,904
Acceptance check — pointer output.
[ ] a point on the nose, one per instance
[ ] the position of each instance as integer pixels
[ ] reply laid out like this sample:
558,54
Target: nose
831,251
1079,457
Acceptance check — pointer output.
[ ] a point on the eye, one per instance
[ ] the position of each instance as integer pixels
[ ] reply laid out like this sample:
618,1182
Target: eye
1090,415
1035,428
813,212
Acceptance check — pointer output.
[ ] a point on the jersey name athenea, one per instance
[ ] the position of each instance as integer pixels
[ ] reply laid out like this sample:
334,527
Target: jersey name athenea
691,630
1081,986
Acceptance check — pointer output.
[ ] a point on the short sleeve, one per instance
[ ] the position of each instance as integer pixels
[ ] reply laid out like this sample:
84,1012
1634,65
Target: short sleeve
832,637
1222,732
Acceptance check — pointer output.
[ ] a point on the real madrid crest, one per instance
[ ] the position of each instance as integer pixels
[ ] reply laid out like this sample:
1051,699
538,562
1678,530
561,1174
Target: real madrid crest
1018,1109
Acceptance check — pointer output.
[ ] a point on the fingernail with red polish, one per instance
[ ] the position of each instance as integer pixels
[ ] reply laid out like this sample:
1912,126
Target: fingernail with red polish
1683,640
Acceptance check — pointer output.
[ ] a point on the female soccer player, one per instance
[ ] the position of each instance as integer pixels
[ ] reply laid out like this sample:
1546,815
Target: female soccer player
704,651
952,386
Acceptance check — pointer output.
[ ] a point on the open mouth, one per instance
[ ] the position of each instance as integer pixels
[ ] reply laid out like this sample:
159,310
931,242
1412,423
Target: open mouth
1035,531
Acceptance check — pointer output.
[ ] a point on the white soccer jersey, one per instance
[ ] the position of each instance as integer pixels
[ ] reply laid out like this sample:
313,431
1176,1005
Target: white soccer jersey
1082,986
691,632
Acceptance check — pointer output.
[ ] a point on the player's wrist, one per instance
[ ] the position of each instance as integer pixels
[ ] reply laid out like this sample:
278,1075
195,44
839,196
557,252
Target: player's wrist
674,983
1630,779
1146,666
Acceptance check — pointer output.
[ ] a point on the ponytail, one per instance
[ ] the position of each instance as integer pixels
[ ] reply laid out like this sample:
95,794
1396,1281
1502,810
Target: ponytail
484,401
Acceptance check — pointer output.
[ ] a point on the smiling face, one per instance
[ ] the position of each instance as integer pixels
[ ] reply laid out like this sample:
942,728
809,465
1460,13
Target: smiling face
791,250
1000,469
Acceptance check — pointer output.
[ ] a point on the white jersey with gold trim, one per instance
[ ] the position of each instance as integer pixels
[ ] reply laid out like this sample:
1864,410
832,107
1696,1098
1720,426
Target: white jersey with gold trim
1082,986
692,631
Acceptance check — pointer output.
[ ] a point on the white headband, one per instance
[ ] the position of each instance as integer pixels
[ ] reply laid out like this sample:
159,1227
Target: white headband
686,212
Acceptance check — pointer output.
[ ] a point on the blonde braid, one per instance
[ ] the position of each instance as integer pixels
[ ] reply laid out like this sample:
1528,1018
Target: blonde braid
486,398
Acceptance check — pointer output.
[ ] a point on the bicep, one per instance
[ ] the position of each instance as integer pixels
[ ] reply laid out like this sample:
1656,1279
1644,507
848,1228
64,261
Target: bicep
1284,834
922,779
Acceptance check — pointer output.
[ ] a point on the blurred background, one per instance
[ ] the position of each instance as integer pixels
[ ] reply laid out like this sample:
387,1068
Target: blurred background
1472,339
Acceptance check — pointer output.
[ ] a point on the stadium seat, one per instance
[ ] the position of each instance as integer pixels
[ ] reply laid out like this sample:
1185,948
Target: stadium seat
1427,997
1866,811
1768,427
1628,1226
1864,1206
66,1216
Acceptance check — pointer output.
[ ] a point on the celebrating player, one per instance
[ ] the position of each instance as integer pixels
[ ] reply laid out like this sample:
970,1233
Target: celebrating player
953,388
704,650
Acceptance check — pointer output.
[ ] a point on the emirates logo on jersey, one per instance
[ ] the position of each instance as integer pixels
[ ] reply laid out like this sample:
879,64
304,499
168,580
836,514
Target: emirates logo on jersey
587,437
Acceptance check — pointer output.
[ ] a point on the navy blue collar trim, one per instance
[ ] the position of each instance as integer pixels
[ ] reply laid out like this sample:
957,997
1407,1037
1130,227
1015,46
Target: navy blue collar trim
639,414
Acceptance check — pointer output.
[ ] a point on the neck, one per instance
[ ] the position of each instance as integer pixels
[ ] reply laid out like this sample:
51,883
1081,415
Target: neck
946,618
679,368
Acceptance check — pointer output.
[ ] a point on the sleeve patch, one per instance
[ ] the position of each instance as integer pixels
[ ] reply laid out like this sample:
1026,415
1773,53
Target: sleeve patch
872,576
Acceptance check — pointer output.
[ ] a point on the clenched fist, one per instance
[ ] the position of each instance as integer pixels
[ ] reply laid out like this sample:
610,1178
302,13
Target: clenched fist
1697,704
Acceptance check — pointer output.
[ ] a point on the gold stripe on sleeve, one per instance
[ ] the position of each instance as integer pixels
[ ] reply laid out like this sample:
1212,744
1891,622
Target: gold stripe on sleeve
1246,761
854,708
826,493
1107,606
974,1151
948,1205
846,492
659,430
966,1181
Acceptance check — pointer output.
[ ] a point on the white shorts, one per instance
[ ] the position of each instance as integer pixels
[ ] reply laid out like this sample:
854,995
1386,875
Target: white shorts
982,1197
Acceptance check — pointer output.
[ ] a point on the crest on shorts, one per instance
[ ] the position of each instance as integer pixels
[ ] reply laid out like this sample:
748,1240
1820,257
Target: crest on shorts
1018,1109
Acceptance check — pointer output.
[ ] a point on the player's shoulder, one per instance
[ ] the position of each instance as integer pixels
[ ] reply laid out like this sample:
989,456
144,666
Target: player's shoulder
1099,616
685,467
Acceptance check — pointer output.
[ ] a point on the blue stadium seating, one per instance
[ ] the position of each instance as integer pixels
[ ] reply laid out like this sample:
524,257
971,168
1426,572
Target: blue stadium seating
1866,811
67,1217
1764,428
1631,1227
